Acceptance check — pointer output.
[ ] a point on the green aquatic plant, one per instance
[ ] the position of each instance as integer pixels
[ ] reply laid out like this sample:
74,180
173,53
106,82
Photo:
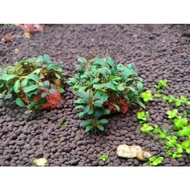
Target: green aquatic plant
161,84
153,161
104,157
103,87
31,82
146,96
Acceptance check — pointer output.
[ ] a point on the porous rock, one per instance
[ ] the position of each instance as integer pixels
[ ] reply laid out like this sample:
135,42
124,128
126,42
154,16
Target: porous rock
126,151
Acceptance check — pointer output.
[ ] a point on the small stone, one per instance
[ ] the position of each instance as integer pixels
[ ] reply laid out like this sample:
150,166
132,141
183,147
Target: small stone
126,151
40,162
144,155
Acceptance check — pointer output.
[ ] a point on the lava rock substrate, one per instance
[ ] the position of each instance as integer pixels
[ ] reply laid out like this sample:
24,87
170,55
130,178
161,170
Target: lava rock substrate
159,51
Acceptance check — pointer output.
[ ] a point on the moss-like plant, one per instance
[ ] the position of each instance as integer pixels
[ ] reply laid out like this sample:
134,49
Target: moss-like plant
33,82
104,87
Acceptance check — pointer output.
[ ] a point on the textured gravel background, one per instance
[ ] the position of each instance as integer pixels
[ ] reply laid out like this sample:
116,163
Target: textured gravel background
159,52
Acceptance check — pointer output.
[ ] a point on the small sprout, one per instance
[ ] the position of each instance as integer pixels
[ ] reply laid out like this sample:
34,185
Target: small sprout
63,125
158,95
172,114
179,123
40,162
153,161
59,141
104,157
146,96
161,84
146,128
142,116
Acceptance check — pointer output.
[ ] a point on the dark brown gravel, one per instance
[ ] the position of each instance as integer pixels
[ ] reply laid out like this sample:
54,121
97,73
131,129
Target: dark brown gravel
159,51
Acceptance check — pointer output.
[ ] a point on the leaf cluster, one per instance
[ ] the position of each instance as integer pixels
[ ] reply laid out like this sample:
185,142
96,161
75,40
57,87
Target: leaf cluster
153,161
161,84
28,77
146,96
101,80
104,157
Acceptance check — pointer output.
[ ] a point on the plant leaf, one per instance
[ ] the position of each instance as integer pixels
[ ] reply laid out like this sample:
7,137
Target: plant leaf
30,88
17,86
52,91
20,103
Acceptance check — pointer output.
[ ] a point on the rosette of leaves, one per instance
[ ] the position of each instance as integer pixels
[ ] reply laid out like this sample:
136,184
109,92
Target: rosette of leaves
101,80
26,78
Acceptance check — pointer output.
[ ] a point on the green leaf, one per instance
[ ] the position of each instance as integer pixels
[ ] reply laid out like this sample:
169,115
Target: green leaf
96,80
81,114
24,82
17,86
43,95
103,121
140,86
28,111
85,123
100,127
33,77
61,90
117,107
184,132
185,144
88,128
8,96
86,109
39,59
30,88
188,150
172,114
105,112
101,95
58,76
98,103
82,94
46,58
146,128
79,107
90,112
158,95
178,103
179,123
8,77
46,83
20,103
120,87
81,60
51,66
52,91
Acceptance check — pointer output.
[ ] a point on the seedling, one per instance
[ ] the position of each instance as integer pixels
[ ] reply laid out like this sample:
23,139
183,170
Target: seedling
59,141
186,145
63,125
142,116
157,95
161,84
179,123
172,113
184,132
146,128
153,161
104,157
146,96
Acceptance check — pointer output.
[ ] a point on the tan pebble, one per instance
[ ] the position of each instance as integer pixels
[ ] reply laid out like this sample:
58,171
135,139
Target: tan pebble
16,51
144,155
